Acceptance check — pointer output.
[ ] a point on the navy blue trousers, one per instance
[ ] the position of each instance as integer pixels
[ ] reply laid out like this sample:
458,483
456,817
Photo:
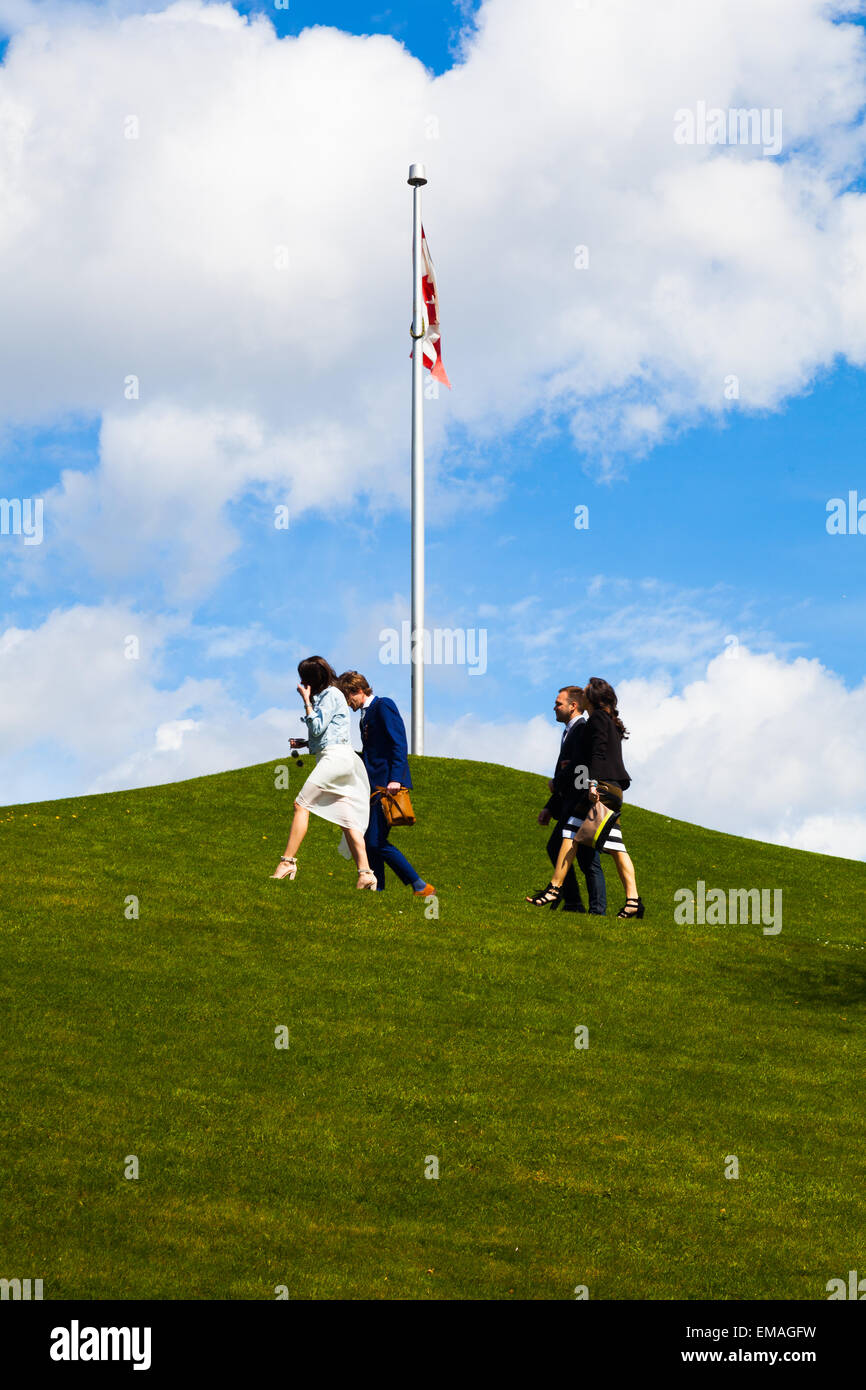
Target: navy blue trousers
381,852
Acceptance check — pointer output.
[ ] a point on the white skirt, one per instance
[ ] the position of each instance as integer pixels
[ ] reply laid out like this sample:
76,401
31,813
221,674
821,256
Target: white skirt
338,789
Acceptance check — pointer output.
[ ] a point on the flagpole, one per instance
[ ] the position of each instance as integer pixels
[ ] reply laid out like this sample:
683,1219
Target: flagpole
417,179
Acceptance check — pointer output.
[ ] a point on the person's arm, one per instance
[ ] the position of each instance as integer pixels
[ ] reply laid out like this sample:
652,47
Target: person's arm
399,750
317,720
553,807
598,731
550,808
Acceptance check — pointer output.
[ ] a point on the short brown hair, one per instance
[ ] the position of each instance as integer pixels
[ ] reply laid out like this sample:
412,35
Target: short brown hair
575,693
352,683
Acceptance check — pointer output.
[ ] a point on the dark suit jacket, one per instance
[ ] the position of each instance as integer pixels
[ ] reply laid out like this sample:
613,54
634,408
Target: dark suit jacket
384,752
572,755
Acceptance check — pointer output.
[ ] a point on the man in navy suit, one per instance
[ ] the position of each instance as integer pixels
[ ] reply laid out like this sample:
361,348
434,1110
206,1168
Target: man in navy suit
385,756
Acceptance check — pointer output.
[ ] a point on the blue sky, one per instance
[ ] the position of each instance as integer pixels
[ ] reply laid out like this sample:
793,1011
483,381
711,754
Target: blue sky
431,32
706,524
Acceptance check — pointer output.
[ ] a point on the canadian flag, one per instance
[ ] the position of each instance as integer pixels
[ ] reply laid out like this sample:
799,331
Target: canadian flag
432,355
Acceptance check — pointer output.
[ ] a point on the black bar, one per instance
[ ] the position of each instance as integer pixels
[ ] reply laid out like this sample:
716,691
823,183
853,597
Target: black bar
233,1338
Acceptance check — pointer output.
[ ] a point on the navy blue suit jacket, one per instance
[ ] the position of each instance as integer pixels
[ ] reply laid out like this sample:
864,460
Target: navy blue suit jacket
385,752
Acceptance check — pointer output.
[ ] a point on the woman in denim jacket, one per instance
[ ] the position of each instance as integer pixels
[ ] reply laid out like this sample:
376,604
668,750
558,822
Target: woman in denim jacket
337,789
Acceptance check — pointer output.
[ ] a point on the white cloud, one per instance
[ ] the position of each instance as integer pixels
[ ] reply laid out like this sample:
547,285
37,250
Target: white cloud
529,745
155,256
78,715
18,14
759,746
167,474
762,747
169,736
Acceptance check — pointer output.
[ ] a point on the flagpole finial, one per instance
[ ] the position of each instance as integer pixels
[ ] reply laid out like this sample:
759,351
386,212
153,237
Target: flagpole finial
416,175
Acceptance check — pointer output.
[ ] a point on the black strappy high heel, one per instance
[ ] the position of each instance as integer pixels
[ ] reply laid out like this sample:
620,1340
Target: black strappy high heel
546,897
627,916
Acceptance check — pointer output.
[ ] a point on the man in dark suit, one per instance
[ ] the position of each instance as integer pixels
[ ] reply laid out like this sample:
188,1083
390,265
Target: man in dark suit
385,756
570,710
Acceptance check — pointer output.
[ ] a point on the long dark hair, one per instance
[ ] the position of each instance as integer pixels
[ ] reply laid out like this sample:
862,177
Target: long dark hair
601,695
316,672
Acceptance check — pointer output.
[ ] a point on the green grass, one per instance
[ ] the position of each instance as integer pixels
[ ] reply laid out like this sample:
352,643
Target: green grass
412,1037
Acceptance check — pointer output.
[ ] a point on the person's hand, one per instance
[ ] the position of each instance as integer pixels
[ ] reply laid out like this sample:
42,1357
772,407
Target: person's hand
393,786
550,784
544,817
593,794
304,692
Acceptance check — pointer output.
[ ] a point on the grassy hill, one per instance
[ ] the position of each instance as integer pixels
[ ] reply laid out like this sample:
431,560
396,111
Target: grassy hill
412,1037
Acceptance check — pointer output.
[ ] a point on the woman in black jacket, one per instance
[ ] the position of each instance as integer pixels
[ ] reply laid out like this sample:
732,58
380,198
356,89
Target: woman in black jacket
607,780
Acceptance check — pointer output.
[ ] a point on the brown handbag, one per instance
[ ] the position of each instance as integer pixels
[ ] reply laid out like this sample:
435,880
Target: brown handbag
396,806
600,819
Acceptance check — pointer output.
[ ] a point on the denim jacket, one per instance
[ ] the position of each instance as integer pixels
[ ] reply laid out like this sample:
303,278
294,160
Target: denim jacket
329,724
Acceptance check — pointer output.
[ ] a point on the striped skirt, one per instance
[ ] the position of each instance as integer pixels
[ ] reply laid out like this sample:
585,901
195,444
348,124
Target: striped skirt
611,796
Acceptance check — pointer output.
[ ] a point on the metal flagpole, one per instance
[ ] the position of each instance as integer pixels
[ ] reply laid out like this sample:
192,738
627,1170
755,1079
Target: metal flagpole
417,179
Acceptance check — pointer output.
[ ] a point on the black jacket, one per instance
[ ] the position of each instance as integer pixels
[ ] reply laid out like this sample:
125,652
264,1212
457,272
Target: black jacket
599,751
604,750
572,754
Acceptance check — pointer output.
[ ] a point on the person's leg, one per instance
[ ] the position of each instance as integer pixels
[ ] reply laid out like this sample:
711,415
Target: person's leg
300,822
564,862
355,841
373,841
570,888
401,866
625,869
397,862
589,862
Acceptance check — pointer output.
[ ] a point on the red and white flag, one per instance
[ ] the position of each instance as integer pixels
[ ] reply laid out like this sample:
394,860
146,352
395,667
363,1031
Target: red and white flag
432,351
